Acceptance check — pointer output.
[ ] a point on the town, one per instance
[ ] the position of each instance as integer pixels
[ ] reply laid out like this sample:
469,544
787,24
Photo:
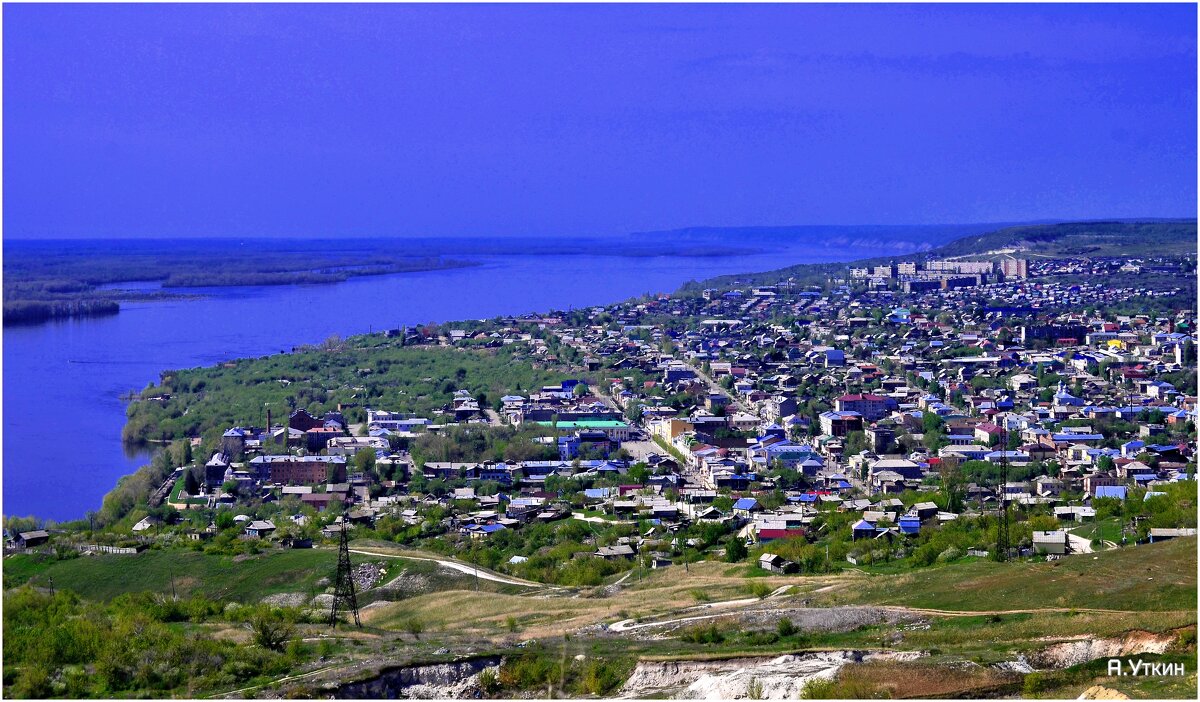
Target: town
892,414
756,351
860,448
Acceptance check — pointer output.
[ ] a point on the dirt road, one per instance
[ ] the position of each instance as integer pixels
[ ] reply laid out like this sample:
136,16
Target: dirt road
460,567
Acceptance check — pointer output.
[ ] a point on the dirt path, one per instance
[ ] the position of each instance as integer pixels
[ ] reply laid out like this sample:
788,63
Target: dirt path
629,624
460,567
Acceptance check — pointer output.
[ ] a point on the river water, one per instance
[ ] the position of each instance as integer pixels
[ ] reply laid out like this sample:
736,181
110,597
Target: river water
63,380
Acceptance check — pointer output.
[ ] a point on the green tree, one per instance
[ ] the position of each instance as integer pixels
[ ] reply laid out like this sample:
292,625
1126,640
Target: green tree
190,484
364,461
856,443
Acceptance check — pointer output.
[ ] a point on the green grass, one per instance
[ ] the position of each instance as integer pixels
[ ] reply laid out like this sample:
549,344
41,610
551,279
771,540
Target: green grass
205,400
1143,578
1105,530
179,488
241,579
249,579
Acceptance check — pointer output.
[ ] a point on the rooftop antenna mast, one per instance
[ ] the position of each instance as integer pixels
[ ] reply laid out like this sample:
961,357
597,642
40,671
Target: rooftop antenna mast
343,591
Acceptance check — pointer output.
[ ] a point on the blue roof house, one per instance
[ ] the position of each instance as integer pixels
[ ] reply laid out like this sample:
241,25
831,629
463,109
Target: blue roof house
910,526
863,530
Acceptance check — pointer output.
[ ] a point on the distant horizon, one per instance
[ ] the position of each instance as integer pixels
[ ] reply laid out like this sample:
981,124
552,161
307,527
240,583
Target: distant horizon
460,121
319,237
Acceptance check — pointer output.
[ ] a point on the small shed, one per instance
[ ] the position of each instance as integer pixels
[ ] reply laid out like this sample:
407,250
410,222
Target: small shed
776,563
1053,542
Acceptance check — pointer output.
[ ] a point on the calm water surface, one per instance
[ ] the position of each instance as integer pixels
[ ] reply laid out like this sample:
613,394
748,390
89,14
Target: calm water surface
62,381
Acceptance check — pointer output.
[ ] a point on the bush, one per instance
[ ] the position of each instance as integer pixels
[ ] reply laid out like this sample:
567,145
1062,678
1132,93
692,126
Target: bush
925,555
1033,684
271,631
601,677
820,689
950,554
703,634
534,668
414,627
62,646
785,628
759,590
489,681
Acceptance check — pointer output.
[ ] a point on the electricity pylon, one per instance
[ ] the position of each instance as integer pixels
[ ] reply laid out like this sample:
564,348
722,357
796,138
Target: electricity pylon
343,589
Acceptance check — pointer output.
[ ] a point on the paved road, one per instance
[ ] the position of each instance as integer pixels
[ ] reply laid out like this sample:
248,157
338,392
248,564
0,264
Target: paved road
713,385
639,450
1079,544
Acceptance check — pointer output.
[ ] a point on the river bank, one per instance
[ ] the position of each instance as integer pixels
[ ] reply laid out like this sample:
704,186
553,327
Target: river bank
79,368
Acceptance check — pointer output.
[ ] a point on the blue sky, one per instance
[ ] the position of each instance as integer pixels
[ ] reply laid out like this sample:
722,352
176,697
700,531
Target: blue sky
277,120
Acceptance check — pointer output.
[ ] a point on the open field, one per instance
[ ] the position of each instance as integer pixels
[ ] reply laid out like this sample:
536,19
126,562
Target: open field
962,620
657,593
1150,577
245,579
1105,530
239,579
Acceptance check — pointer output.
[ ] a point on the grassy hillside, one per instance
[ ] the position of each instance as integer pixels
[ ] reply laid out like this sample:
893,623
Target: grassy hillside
241,579
246,579
1154,577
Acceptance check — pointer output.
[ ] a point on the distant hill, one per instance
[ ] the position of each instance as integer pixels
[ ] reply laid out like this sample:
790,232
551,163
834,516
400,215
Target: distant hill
900,240
1103,238
1110,238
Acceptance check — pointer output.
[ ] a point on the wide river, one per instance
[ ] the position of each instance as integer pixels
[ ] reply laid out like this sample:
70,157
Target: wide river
63,380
